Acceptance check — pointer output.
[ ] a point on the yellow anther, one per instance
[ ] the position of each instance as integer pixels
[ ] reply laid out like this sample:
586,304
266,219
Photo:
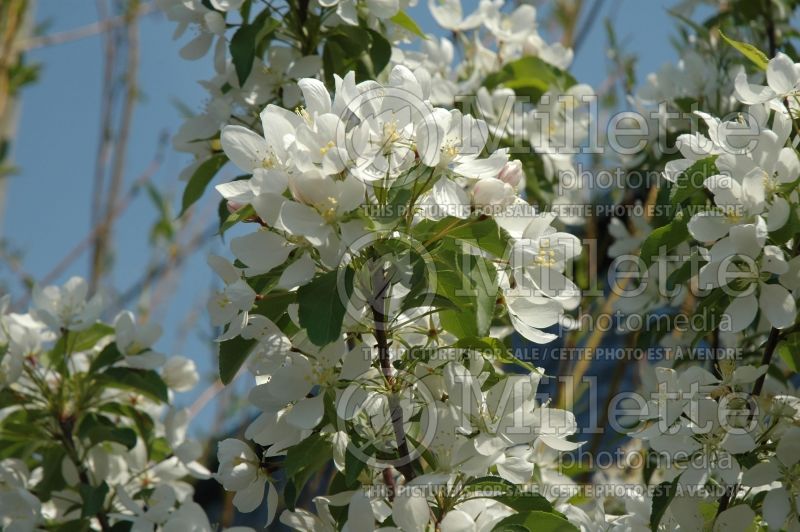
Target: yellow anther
323,150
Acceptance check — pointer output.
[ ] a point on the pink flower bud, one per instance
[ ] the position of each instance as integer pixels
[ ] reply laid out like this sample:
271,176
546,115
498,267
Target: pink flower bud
512,173
492,192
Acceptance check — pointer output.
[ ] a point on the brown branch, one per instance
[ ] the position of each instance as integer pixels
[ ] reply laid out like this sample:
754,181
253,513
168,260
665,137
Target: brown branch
766,359
380,286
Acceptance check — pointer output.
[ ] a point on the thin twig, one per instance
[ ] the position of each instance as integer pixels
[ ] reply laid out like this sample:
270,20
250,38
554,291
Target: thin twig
102,241
106,122
90,30
584,30
766,359
116,212
157,272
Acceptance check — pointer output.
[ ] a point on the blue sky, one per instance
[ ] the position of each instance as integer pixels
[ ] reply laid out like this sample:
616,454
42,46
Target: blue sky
47,207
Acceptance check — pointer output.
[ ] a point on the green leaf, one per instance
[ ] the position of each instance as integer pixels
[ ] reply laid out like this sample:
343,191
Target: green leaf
685,271
353,466
406,22
88,338
530,76
788,231
471,286
662,496
526,502
690,181
395,206
232,355
290,494
364,51
301,455
9,397
495,349
508,494
76,341
482,232
321,306
789,351
235,217
99,429
756,56
535,521
143,422
417,299
243,51
93,498
711,309
80,525
160,449
52,479
200,179
304,460
489,482
144,381
108,356
666,237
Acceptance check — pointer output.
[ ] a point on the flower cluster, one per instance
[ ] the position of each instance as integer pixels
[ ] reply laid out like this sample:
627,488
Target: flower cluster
374,208
726,438
550,120
87,432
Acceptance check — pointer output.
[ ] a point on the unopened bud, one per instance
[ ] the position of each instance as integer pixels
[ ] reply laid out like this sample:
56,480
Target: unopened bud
512,173
492,192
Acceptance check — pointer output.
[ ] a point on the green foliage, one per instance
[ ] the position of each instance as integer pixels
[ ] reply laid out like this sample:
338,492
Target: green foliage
98,429
144,381
788,231
235,217
362,50
243,51
789,351
302,461
406,22
232,355
530,76
535,521
108,356
756,56
200,179
662,496
689,184
481,232
664,239
322,305
93,498
469,281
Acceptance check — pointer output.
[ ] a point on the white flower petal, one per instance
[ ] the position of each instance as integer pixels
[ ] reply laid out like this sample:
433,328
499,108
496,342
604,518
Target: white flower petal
776,507
261,251
778,305
246,149
741,313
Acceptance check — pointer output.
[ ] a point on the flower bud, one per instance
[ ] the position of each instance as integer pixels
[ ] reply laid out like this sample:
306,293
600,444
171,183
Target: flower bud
492,192
180,374
512,173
